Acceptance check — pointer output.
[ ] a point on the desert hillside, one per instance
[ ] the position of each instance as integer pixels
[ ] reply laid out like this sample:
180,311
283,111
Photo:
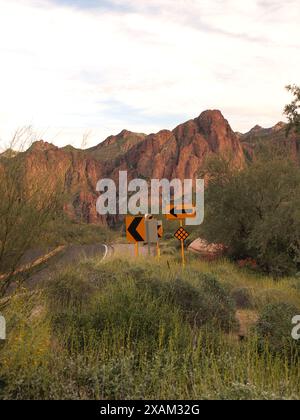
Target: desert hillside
180,153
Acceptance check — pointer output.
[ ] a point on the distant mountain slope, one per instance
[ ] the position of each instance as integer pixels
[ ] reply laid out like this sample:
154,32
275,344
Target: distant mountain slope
278,132
276,135
179,153
115,146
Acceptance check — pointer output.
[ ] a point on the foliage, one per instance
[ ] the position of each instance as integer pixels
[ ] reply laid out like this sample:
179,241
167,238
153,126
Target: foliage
255,212
130,336
292,110
25,211
274,326
242,297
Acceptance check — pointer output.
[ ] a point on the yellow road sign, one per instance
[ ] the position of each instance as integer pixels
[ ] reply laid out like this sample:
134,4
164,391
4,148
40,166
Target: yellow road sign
181,234
180,212
135,229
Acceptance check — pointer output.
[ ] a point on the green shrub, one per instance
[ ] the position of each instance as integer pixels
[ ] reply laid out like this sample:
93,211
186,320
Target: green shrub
135,337
136,314
69,289
243,298
220,305
203,303
274,328
255,212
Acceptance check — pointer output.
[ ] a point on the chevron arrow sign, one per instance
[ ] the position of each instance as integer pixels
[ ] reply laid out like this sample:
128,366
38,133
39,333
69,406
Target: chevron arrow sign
135,229
179,212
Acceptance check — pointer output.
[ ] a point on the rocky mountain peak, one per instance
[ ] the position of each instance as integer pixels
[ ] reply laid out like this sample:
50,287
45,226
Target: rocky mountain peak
279,126
256,128
42,146
180,153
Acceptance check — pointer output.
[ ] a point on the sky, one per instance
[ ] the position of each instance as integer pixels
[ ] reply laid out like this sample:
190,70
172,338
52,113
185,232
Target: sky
90,68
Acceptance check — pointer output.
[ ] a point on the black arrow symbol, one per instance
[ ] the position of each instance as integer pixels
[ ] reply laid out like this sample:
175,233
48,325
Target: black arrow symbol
172,212
183,210
133,227
158,231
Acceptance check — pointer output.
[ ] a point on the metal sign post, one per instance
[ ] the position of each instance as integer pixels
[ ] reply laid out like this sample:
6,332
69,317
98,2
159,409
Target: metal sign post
160,232
136,249
182,235
181,212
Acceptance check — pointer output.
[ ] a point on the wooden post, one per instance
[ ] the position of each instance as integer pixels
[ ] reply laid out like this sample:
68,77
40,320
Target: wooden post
147,235
182,248
158,249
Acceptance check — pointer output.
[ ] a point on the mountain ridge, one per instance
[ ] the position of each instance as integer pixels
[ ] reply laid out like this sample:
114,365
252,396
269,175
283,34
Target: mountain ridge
178,153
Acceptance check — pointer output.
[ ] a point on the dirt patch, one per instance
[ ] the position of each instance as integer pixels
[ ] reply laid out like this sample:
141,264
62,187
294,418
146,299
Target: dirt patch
247,319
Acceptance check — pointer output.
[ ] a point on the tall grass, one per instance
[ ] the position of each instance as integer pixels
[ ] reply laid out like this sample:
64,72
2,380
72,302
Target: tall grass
140,330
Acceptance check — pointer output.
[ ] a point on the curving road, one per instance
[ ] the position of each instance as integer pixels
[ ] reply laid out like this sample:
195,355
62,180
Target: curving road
45,263
69,255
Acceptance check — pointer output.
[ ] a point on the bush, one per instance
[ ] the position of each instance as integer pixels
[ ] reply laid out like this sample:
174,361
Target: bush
255,212
243,298
135,337
207,302
220,305
274,329
69,289
136,315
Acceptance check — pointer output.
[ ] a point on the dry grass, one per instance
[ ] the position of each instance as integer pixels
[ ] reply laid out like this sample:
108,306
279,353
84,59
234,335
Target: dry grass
133,335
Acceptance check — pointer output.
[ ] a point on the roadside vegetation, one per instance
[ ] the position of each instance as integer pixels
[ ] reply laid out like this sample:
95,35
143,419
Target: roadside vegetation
255,211
25,213
32,220
147,329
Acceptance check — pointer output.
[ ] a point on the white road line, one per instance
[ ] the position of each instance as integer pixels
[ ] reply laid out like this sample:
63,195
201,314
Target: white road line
106,252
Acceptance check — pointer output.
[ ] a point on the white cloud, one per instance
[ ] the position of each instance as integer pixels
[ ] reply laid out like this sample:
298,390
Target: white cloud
65,69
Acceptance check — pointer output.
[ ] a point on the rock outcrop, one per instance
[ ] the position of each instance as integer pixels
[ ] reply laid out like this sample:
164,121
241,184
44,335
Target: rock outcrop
180,153
207,250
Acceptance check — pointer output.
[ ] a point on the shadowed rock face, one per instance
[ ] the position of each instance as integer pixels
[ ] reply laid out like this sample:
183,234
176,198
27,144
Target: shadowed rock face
74,170
180,153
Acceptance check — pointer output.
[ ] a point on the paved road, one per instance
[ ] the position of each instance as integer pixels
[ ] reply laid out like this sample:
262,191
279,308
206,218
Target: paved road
72,254
75,253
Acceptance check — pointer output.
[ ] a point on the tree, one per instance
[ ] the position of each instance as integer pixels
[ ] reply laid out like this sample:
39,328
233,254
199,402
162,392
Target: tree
255,211
292,111
25,210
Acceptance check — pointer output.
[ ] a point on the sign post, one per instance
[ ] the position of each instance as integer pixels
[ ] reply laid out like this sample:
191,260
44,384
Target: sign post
2,328
149,221
136,249
160,232
181,212
182,235
182,248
